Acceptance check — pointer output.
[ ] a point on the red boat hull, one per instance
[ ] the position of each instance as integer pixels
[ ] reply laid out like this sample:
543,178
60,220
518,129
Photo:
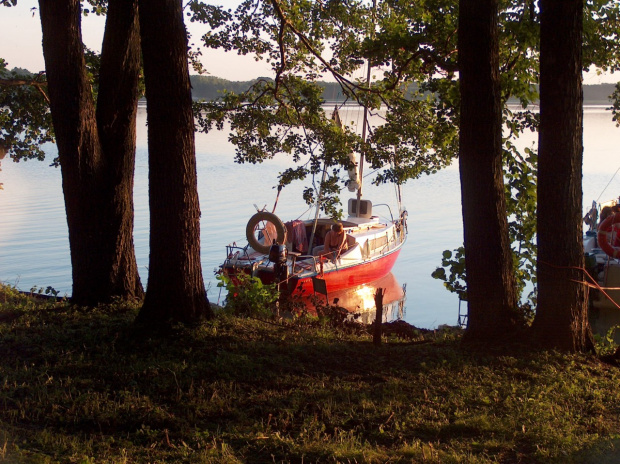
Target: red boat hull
343,278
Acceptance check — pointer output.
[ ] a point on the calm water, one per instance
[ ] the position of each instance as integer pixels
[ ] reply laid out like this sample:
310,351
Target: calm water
34,249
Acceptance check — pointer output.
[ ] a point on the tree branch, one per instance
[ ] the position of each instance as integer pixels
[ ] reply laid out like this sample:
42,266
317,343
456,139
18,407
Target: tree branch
339,77
39,85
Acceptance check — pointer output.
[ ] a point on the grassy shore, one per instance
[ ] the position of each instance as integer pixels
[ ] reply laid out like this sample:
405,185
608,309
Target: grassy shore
85,386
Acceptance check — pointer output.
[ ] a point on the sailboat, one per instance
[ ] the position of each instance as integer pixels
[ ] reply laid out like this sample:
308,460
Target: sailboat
285,252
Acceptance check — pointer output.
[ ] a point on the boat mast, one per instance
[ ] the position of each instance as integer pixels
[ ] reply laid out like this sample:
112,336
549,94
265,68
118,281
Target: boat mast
318,210
361,167
336,118
364,129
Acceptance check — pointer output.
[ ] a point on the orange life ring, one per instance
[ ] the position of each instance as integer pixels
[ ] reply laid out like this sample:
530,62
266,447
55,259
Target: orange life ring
608,231
263,217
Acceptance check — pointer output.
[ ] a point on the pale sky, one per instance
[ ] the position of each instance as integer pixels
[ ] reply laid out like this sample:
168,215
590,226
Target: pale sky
20,45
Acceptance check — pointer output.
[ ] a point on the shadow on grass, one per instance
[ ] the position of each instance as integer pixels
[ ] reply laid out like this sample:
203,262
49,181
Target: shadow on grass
86,383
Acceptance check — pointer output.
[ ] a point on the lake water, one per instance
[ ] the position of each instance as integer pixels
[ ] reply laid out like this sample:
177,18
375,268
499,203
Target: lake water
34,249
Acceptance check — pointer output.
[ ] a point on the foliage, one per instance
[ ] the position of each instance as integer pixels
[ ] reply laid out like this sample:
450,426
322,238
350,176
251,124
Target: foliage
97,7
48,291
285,114
601,33
615,109
519,34
606,344
520,185
93,64
25,120
25,117
83,385
412,47
330,314
521,191
248,296
454,262
261,133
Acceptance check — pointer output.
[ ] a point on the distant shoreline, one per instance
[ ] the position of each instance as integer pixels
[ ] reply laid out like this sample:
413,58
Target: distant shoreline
210,88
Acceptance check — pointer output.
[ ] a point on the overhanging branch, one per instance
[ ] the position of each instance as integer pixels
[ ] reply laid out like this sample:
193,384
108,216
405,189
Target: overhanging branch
19,82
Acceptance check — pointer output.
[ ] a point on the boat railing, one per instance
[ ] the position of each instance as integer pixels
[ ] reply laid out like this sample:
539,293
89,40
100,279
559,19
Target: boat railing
235,253
389,210
301,263
392,241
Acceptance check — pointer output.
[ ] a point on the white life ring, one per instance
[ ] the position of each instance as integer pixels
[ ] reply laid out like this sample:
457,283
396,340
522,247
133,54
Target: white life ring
250,231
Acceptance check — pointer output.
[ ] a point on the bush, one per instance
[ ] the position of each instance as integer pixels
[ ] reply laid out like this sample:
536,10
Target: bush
248,296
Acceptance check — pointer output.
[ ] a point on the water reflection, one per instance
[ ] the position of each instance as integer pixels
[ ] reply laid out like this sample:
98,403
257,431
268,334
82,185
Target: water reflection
361,299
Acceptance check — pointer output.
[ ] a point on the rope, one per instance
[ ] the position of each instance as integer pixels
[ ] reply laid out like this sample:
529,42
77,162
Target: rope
303,213
595,284
610,180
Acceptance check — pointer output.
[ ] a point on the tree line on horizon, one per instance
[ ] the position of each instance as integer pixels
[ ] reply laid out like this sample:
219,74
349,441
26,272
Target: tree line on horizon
212,88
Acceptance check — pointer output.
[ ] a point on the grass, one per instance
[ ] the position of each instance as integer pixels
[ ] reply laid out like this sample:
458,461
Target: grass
85,386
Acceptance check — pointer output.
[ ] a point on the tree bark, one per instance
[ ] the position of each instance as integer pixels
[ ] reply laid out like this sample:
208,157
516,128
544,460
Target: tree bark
491,289
175,290
117,105
561,318
94,210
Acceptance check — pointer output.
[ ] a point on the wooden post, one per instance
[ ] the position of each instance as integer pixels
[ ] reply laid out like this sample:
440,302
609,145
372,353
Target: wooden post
376,339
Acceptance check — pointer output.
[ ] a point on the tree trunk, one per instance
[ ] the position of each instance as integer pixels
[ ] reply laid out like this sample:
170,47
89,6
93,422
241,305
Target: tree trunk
491,289
561,318
117,106
95,240
175,289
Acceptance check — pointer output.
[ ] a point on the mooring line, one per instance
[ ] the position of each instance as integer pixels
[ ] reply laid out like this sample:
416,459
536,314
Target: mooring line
608,183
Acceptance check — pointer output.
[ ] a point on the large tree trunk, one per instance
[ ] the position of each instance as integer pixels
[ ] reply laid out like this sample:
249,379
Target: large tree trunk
561,317
491,289
117,105
175,289
92,211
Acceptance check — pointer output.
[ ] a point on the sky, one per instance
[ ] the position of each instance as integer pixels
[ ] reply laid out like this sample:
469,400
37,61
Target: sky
20,45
